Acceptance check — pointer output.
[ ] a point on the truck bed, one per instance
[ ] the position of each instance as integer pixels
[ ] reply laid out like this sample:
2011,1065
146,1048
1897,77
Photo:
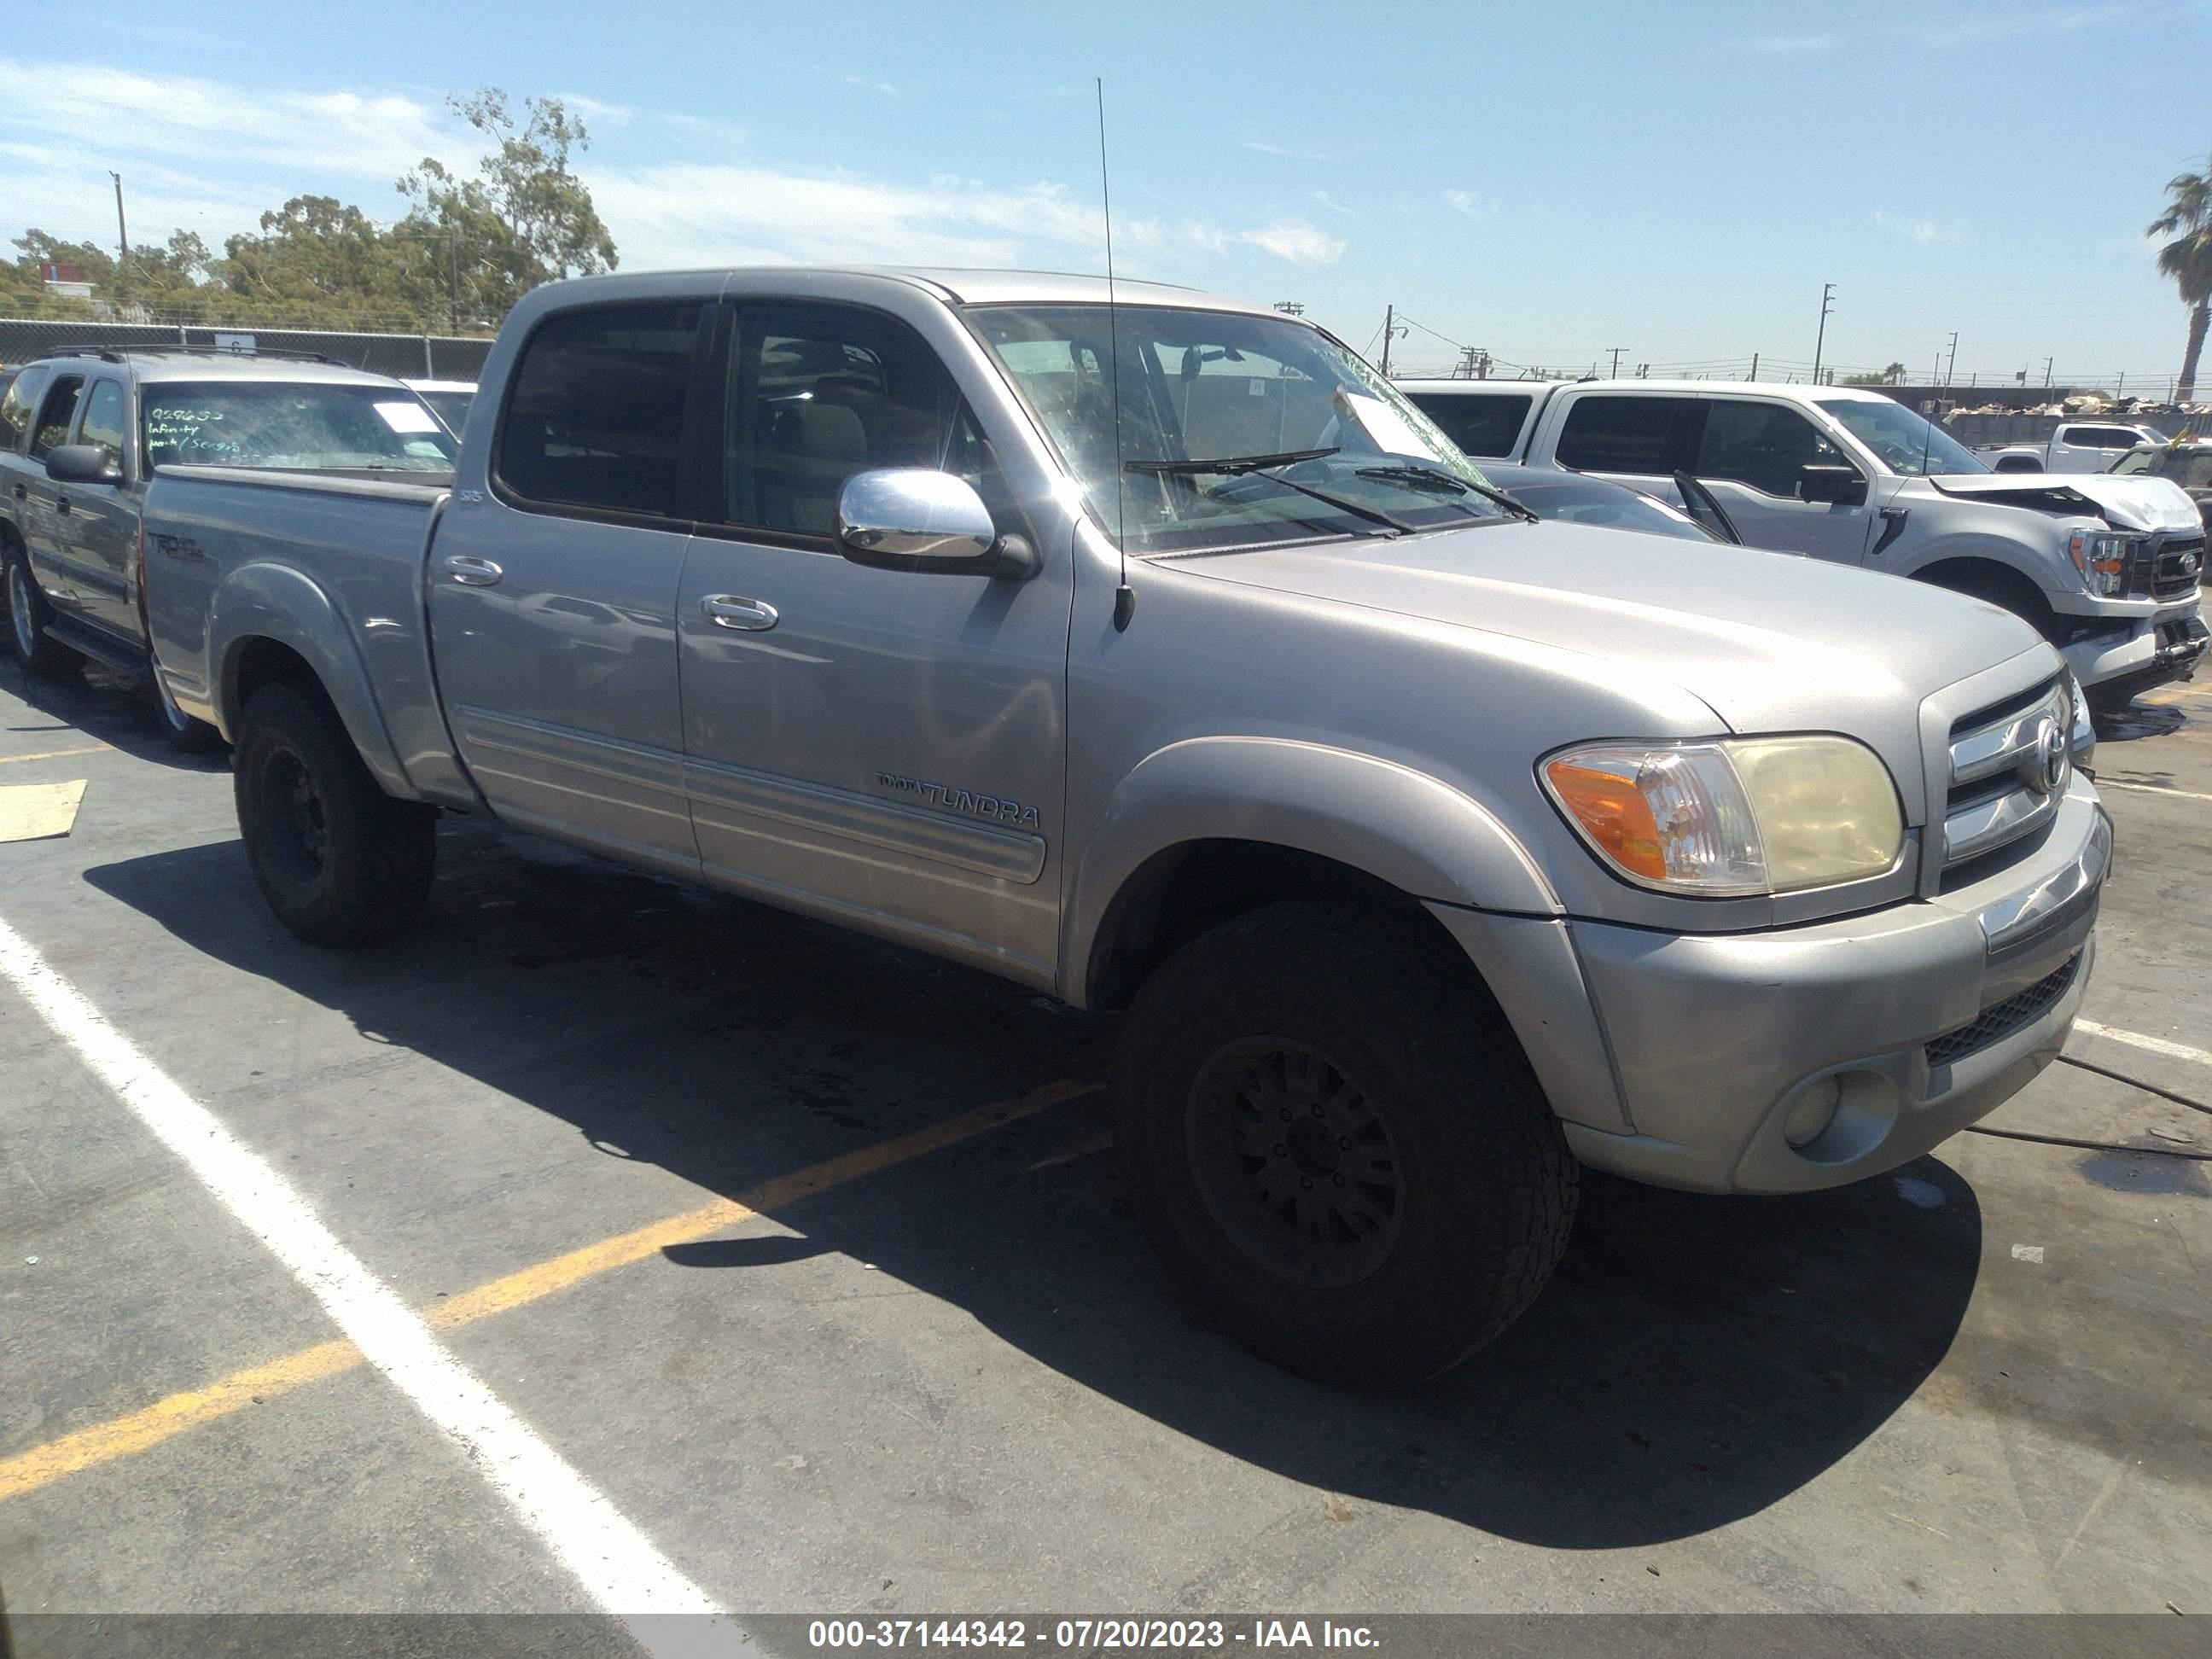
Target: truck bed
222,542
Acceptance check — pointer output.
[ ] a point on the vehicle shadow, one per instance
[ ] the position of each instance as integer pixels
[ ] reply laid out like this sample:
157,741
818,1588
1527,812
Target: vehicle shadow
101,704
1695,1359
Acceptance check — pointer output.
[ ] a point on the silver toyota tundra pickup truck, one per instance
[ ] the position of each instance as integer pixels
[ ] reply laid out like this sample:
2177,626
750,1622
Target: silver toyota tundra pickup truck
1150,649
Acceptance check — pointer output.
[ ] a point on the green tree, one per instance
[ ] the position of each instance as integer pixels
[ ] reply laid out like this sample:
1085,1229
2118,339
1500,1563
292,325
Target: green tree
2188,259
525,219
316,260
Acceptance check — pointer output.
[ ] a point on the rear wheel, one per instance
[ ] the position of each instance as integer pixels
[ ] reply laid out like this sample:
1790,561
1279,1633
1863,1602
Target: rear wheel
340,862
28,613
1335,1145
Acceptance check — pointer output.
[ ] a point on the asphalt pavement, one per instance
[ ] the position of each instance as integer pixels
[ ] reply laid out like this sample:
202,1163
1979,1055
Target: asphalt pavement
804,1256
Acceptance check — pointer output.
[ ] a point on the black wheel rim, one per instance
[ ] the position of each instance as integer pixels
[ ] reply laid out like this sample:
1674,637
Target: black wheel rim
1296,1162
299,835
19,612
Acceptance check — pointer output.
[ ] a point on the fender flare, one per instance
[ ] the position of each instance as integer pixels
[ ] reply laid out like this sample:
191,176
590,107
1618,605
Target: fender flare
277,602
2031,566
1419,835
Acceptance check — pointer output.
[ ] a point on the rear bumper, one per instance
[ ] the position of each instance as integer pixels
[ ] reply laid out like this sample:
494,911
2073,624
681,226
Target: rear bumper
1926,1015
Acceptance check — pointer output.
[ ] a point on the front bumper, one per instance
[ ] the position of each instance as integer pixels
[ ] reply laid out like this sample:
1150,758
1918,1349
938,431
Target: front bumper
2139,654
1928,1015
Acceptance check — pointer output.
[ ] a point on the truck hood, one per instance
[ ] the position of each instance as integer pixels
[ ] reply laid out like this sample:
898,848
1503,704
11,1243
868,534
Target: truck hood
2133,503
1769,641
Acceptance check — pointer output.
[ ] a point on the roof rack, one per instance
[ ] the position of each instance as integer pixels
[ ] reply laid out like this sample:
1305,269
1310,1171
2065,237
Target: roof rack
118,353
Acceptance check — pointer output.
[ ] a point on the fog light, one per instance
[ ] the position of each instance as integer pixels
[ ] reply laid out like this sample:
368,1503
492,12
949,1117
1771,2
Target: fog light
1812,1111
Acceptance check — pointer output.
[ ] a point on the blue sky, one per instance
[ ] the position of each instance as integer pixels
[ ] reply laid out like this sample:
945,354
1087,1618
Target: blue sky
1546,182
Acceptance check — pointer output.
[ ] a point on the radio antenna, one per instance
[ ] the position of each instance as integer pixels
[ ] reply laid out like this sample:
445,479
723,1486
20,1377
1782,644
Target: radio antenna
1125,597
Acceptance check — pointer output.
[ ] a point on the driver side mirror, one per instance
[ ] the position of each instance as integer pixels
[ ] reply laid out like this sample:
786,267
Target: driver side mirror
1840,486
82,464
918,520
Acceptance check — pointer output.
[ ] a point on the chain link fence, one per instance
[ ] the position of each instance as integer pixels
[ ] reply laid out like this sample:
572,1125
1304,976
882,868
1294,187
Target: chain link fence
407,356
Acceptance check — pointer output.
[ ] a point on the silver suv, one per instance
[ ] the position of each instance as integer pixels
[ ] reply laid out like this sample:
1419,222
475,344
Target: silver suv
81,433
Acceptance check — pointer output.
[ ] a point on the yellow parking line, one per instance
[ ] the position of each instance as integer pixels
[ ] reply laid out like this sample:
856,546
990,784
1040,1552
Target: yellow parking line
53,754
137,1432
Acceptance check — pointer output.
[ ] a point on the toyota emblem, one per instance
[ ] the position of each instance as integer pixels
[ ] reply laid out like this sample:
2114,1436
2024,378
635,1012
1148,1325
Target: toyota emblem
2046,769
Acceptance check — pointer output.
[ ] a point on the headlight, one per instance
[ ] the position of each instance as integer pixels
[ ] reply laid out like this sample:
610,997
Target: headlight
1736,815
2102,557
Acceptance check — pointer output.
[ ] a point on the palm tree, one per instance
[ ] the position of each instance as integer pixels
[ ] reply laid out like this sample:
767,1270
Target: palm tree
2188,259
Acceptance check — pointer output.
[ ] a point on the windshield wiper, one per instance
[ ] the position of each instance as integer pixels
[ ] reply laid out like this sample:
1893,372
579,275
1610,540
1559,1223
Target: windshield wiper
1435,478
1229,464
1238,466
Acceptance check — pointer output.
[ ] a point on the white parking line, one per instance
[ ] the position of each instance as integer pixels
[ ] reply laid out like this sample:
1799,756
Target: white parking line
2150,1044
619,1567
2151,789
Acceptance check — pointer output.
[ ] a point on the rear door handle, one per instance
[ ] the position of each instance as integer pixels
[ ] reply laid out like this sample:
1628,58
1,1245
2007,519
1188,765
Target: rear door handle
61,503
728,611
473,573
22,490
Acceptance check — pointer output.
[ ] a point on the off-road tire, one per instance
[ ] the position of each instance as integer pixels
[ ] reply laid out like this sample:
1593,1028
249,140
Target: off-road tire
1486,1187
44,655
340,862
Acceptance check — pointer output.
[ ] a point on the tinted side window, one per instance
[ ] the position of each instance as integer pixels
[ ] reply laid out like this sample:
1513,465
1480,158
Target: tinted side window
2138,462
1762,444
1627,435
15,408
818,393
595,418
1480,423
2107,437
103,419
54,417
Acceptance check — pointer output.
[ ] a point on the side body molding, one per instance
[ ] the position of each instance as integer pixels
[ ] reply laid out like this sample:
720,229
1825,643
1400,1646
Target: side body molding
1403,827
279,603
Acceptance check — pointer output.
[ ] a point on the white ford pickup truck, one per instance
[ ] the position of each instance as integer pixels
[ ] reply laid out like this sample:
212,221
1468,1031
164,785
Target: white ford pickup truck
2105,567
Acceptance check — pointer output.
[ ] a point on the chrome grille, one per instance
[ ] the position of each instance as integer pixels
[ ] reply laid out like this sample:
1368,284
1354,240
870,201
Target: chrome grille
2000,1020
2174,565
2000,788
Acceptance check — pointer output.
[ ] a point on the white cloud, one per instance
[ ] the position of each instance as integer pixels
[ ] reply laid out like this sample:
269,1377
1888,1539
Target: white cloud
2042,20
210,156
1466,201
1334,206
1298,241
1265,149
1925,232
1784,45
866,85
596,113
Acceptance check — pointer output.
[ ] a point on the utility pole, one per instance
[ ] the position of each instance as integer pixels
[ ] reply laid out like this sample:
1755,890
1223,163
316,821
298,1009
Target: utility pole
1291,308
1391,330
1754,365
1467,355
122,235
2047,362
1820,339
1952,362
1615,373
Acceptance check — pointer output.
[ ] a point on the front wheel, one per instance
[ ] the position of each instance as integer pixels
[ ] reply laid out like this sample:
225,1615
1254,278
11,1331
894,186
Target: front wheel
340,862
1335,1144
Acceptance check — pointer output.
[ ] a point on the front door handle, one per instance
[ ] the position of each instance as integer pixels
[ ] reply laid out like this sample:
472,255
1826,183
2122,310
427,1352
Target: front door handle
22,490
61,503
473,573
728,611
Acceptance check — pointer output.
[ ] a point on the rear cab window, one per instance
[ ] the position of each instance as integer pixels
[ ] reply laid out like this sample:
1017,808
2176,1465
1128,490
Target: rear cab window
594,422
289,426
18,408
1650,437
55,414
1481,423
